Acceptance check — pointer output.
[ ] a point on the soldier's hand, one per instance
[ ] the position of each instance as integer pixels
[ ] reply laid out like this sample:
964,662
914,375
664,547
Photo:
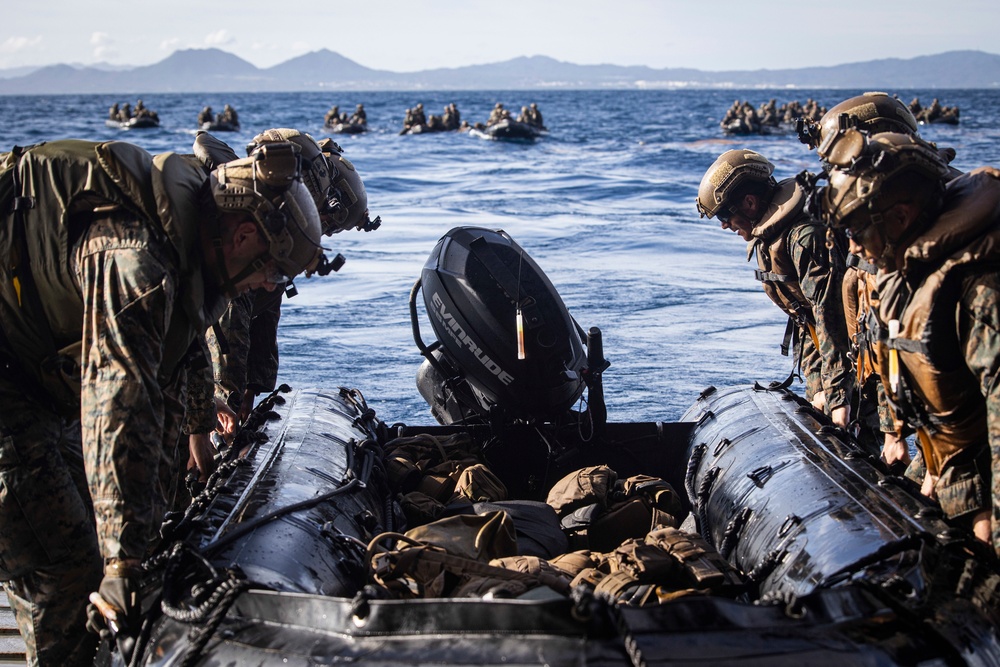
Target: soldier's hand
819,401
201,455
226,418
114,611
895,450
841,416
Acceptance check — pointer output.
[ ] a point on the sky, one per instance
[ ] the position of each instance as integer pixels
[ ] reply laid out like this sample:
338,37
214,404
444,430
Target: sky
413,35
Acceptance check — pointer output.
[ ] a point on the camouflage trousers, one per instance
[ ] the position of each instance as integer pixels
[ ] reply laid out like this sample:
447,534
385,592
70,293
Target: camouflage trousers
49,559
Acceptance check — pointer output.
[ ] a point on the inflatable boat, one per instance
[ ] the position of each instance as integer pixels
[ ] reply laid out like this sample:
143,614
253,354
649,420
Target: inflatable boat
133,123
508,129
215,126
287,555
347,128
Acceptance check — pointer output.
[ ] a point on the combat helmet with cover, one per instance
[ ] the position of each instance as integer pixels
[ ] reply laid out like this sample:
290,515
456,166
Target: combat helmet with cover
729,174
910,165
332,180
268,186
872,113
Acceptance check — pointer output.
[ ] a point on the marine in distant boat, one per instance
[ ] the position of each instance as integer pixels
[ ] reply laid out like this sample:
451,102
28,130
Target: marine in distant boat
416,122
768,118
127,117
527,126
227,121
935,113
341,123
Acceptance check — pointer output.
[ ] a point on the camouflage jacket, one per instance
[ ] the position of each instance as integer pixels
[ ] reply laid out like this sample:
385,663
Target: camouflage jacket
803,277
122,298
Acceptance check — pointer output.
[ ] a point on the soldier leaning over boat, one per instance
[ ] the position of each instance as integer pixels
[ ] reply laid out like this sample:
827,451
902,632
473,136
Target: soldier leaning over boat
243,343
872,112
935,240
799,273
94,352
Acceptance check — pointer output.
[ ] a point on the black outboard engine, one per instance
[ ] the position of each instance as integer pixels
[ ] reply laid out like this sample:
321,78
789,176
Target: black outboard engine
506,343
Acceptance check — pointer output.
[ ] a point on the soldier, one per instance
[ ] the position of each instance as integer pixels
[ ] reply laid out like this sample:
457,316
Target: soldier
230,116
496,115
536,115
206,115
935,242
244,348
799,273
117,261
332,116
359,115
871,112
418,114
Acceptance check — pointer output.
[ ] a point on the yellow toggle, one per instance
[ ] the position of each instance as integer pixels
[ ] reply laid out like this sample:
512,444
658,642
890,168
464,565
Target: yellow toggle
893,357
17,289
520,334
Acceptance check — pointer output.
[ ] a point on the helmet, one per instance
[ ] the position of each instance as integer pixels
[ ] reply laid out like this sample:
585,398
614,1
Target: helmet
873,113
347,207
268,186
331,179
315,171
730,171
876,161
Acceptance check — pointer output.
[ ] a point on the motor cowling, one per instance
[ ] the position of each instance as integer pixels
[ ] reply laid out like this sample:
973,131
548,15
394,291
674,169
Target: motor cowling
474,283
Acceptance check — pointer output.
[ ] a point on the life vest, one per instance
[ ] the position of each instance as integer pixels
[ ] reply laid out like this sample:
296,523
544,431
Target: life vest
49,193
861,313
776,270
937,393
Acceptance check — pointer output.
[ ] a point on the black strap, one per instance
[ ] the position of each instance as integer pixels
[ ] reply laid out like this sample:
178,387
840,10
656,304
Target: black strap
772,277
858,262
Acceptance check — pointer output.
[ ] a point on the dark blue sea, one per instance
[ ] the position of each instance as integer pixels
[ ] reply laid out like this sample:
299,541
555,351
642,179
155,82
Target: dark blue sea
604,204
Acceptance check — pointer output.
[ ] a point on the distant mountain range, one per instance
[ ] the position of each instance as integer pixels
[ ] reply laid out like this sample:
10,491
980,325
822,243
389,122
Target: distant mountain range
213,70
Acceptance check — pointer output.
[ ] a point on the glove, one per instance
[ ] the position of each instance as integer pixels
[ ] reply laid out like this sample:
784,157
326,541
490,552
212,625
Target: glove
116,613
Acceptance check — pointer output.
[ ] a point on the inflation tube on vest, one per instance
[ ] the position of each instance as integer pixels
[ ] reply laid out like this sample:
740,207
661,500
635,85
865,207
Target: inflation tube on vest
475,283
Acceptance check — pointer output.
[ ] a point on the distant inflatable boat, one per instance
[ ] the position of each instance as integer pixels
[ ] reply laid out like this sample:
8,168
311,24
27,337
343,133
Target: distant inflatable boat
220,127
133,123
346,128
509,130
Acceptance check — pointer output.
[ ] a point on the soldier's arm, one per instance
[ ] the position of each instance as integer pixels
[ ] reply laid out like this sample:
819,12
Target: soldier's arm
128,294
820,280
262,360
979,336
229,355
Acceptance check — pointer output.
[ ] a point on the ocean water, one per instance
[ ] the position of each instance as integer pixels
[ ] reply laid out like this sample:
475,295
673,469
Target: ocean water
604,204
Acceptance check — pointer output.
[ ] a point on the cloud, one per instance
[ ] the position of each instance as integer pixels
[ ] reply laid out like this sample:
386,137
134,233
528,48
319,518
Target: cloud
170,45
17,44
219,38
104,47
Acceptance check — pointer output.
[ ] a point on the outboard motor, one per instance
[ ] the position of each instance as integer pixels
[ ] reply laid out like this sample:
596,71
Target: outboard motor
507,347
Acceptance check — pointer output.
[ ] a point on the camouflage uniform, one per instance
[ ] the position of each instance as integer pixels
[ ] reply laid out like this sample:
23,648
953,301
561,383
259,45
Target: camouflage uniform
803,277
946,297
246,355
122,309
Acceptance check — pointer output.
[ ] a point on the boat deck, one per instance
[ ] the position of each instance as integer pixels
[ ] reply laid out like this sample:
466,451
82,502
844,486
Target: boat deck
11,646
